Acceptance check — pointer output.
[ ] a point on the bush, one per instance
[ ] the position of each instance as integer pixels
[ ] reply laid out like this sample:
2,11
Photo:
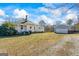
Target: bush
4,31
24,33
30,32
7,29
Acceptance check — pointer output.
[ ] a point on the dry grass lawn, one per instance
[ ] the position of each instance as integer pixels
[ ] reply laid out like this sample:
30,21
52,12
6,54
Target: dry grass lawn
30,45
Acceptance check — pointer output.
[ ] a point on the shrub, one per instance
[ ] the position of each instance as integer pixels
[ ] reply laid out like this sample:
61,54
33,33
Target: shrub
7,29
24,33
4,31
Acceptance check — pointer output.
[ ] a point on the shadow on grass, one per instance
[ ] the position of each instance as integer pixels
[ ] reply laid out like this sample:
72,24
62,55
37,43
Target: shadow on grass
19,35
13,36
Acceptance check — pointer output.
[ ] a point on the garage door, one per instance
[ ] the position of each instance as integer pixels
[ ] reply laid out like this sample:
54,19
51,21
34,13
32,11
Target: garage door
61,30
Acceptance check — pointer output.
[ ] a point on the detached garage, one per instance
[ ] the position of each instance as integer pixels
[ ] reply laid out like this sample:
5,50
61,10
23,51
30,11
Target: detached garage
61,28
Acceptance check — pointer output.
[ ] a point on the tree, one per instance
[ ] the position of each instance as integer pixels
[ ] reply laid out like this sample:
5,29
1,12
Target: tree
42,23
69,22
8,25
49,28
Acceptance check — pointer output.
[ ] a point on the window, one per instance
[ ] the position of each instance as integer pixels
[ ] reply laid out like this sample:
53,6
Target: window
21,26
39,27
30,27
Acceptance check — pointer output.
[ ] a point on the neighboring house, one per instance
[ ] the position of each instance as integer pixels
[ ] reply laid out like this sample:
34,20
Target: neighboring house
61,28
29,26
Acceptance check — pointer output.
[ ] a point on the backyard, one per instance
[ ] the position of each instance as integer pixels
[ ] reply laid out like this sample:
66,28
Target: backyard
39,44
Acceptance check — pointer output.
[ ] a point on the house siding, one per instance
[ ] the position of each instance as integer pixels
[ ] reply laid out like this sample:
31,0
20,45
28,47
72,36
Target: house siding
31,27
61,30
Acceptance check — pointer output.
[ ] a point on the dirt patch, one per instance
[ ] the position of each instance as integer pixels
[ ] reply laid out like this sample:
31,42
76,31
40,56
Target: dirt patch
66,47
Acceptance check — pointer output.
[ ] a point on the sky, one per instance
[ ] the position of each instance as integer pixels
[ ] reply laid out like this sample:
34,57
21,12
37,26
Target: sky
49,12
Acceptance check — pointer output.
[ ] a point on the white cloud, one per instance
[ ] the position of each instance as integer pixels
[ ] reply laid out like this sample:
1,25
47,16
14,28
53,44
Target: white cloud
43,9
46,19
49,5
56,12
72,11
20,13
52,12
51,9
1,21
2,13
71,16
7,15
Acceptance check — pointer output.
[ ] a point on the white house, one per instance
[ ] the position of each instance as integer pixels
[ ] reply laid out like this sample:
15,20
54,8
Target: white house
29,26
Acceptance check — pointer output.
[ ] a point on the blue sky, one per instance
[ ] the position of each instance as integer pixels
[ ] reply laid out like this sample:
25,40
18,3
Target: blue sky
49,12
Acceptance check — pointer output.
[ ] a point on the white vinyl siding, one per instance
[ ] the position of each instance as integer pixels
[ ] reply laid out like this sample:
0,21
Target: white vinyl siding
33,28
61,30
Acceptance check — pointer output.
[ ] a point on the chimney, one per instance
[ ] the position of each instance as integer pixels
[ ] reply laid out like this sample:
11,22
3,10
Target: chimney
26,18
